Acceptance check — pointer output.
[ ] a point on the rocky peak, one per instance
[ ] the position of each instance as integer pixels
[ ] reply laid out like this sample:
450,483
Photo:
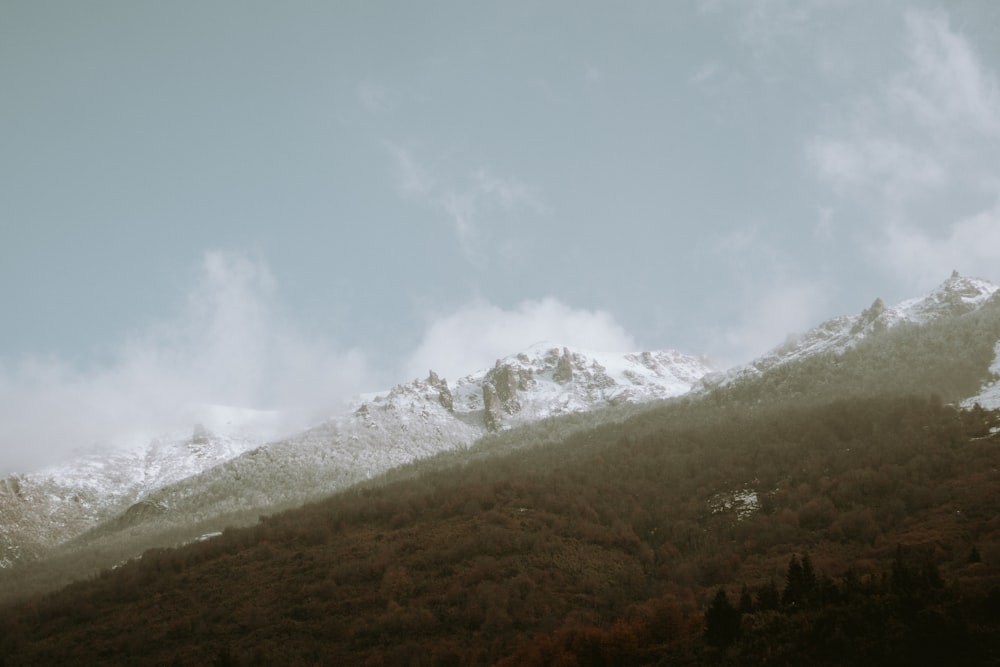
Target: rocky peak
564,368
445,397
492,408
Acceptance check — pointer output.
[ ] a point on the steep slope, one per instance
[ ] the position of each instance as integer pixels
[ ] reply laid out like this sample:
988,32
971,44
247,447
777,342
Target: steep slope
183,481
414,421
41,509
602,549
955,297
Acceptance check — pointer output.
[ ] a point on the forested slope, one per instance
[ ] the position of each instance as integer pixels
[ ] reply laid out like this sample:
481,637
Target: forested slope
844,512
614,541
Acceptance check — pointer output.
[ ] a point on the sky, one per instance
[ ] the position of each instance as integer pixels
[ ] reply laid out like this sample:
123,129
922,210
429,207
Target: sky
280,205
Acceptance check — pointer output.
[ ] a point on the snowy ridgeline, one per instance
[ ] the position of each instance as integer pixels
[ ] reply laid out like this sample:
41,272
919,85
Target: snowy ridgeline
231,466
234,465
956,296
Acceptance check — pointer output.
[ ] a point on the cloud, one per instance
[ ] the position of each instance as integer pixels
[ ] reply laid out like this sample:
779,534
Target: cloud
766,319
916,156
946,87
471,201
228,346
894,170
970,245
475,336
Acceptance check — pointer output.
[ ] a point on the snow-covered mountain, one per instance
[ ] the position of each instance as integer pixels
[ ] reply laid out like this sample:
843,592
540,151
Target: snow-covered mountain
184,480
230,471
956,296
41,509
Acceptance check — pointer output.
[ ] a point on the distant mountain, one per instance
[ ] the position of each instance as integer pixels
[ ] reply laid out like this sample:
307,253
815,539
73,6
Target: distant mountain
41,509
181,481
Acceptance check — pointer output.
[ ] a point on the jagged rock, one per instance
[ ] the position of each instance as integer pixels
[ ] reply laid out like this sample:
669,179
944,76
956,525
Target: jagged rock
505,380
444,393
564,368
870,316
493,408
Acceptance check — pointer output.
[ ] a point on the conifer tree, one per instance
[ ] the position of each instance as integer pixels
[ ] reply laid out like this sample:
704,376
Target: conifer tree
722,621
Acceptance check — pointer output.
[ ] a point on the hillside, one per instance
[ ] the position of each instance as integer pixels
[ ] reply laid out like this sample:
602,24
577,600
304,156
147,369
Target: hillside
835,509
613,541
171,490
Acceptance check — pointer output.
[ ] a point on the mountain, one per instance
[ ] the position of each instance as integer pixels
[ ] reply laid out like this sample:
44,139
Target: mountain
184,481
841,467
955,297
42,509
941,343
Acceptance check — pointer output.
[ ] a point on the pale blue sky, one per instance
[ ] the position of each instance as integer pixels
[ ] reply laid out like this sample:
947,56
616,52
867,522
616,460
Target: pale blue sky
283,203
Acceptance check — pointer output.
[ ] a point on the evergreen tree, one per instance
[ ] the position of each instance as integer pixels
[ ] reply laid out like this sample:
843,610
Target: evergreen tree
768,597
722,621
794,583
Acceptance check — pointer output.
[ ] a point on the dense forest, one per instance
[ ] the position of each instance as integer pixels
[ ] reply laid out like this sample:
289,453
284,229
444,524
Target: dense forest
841,510
859,531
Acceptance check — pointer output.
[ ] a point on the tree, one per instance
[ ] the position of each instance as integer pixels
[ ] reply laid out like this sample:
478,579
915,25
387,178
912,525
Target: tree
722,621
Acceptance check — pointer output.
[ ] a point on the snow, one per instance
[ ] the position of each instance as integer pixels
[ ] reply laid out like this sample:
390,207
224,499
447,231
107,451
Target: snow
233,456
955,296
989,396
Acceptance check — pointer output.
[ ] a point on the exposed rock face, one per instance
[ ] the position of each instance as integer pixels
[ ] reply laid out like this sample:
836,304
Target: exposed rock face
444,393
493,407
564,368
506,380
870,318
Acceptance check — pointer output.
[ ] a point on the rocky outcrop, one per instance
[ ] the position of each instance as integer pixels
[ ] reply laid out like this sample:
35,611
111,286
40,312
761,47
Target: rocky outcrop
500,387
564,368
445,397
870,318
492,408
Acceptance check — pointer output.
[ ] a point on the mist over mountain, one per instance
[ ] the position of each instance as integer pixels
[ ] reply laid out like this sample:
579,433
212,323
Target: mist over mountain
481,507
228,468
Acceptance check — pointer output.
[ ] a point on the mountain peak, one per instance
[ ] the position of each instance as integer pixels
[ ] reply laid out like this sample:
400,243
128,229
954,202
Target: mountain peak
954,297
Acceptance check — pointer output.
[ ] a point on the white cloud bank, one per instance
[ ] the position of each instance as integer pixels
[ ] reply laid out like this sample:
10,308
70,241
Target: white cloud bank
229,346
475,336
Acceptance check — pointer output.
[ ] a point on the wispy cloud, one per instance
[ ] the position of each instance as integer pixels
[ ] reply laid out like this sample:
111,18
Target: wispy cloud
230,345
471,200
476,335
775,299
946,88
373,96
917,154
971,244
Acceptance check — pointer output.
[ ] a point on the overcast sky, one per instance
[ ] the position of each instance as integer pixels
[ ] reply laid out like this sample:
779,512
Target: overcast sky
280,204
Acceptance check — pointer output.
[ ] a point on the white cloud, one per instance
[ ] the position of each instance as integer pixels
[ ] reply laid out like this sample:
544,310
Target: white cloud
946,87
229,346
896,170
916,153
475,336
766,320
470,201
971,246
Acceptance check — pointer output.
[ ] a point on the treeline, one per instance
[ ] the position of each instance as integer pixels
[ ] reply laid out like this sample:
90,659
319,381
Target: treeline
611,542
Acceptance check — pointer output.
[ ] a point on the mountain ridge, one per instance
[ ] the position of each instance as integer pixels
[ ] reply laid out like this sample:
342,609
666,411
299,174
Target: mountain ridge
381,430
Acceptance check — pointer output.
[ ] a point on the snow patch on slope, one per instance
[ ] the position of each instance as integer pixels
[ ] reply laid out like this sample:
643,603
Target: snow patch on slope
989,395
